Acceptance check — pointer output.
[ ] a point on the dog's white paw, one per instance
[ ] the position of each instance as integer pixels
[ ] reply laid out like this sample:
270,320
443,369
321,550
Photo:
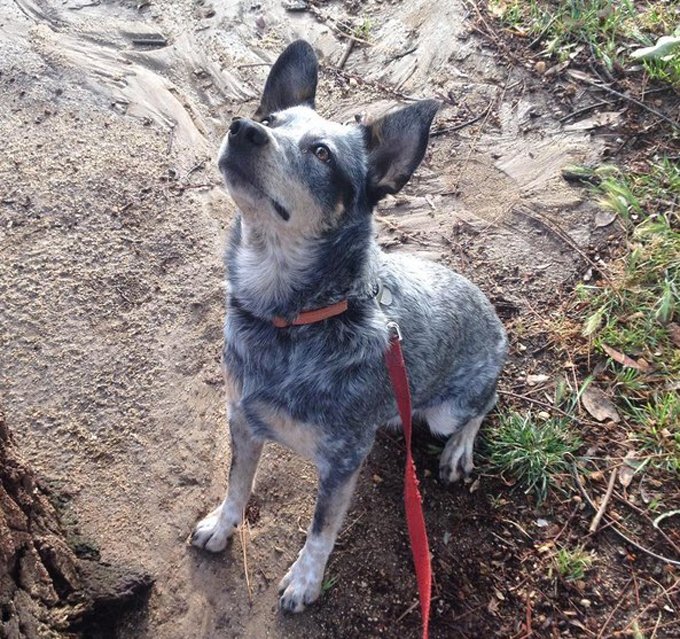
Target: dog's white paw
301,585
456,460
212,532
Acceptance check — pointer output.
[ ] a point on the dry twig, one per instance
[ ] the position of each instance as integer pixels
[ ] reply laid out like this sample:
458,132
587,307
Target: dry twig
346,54
603,506
623,96
626,538
246,572
458,127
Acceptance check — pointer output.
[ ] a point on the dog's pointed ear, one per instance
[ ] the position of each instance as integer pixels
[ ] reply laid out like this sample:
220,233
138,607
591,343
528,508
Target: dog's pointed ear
291,81
396,145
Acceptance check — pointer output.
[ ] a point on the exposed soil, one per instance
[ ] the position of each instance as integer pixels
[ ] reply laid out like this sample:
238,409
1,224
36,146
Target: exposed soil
112,227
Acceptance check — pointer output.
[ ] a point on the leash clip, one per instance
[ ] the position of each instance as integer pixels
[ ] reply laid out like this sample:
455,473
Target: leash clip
394,330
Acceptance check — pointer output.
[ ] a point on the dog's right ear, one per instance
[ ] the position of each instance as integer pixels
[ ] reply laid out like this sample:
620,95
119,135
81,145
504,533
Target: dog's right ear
291,81
396,144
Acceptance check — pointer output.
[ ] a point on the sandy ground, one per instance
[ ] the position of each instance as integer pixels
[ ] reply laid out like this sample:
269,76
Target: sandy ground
112,224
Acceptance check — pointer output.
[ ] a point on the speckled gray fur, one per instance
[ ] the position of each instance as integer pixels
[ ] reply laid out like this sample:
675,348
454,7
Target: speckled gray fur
305,239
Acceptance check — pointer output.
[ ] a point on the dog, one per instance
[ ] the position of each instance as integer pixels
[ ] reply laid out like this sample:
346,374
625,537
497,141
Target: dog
304,241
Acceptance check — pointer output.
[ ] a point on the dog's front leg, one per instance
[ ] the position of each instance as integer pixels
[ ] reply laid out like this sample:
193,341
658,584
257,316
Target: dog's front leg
302,583
213,531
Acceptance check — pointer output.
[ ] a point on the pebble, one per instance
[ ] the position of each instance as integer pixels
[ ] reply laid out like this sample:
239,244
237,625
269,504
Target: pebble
532,380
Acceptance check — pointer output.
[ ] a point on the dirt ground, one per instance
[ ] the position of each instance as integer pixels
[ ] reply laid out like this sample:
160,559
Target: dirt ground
112,226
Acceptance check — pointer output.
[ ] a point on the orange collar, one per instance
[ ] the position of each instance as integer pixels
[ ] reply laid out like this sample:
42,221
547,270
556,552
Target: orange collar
310,317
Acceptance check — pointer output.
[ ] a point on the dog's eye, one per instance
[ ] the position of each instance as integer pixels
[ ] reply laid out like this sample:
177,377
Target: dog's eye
268,121
322,152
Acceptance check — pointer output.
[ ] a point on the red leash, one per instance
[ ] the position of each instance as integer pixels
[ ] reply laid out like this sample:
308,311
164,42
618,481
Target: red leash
415,519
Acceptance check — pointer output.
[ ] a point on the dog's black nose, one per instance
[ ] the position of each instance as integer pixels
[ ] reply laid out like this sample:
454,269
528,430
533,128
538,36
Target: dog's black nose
244,131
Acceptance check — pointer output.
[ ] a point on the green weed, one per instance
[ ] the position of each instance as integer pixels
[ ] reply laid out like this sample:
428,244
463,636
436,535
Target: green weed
657,422
664,70
637,316
607,29
328,583
529,451
573,564
363,31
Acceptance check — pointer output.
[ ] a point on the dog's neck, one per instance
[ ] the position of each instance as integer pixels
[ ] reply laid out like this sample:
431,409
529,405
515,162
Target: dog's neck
273,275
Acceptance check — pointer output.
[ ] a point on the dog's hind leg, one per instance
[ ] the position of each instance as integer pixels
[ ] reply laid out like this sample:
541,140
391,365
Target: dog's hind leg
456,458
302,583
212,532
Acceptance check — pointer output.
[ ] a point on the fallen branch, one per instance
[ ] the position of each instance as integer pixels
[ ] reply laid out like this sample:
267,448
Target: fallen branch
538,402
626,538
457,127
335,24
583,110
603,506
243,531
346,54
623,96
398,229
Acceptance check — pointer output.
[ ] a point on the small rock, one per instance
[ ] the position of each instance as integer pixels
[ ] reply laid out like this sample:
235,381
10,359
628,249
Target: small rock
539,67
532,380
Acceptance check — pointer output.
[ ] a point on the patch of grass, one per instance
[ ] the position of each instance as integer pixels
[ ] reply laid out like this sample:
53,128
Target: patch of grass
658,432
608,29
666,69
572,564
639,315
328,583
363,31
531,451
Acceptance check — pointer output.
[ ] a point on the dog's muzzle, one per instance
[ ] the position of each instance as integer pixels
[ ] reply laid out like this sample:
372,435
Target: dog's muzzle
244,137
247,133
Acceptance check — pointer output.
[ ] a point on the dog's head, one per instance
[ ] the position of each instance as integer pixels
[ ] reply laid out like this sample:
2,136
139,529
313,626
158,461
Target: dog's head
290,168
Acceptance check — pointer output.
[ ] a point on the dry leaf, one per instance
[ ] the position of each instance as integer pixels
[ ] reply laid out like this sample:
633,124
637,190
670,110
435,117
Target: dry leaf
599,405
624,360
604,118
579,75
558,68
665,46
627,469
604,218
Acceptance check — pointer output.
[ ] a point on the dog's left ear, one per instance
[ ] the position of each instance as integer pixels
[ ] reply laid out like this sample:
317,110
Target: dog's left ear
291,81
396,145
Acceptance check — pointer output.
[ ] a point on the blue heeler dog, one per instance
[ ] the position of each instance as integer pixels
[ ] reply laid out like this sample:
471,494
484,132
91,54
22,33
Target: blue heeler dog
304,240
